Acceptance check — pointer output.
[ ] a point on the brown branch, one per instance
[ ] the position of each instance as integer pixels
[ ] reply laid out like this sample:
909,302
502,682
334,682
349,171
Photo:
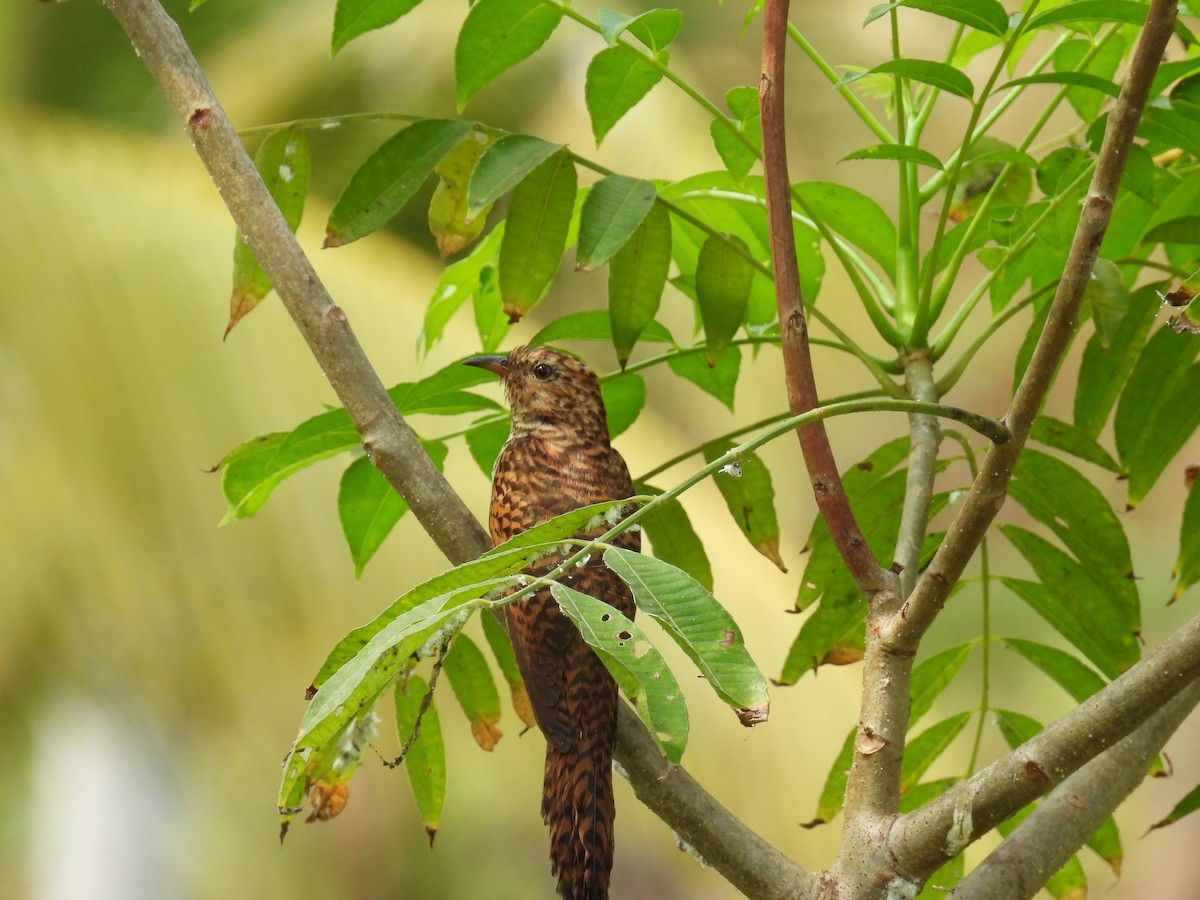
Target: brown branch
921,841
1072,812
739,854
871,578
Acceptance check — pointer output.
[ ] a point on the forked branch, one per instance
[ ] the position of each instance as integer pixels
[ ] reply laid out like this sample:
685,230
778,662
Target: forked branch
716,834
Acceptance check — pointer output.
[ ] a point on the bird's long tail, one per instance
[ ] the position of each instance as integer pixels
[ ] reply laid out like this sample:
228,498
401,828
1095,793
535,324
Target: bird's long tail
577,798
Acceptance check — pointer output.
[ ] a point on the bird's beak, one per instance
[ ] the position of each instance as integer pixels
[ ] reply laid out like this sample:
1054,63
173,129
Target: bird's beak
497,364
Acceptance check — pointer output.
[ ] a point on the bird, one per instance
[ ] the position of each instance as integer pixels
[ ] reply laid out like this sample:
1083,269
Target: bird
557,458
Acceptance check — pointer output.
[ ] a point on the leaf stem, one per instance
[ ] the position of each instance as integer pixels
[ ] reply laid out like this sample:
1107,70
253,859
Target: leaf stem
877,128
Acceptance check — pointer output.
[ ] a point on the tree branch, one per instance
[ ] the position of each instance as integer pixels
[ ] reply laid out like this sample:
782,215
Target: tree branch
1072,812
921,841
735,851
387,439
871,578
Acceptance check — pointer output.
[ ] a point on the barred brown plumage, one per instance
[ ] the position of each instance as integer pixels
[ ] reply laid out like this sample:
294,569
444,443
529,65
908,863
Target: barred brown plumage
558,458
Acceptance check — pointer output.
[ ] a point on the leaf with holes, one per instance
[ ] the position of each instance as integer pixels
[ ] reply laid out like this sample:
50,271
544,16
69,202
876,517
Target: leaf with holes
635,664
697,623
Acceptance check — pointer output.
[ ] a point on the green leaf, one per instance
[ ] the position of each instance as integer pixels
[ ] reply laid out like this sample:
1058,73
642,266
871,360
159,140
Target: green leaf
614,209
1067,503
854,216
442,393
983,15
984,163
923,750
1158,411
485,438
655,28
1106,843
496,35
1068,882
720,204
473,686
252,471
1187,565
634,663
425,762
675,541
1067,672
593,325
719,380
617,79
939,75
502,651
1184,230
750,498
1077,79
1100,11
504,165
917,796
1184,807
368,507
539,215
833,793
901,152
390,177
943,881
451,222
932,676
1103,373
728,134
1016,728
1069,598
624,397
637,274
284,162
1071,439
723,277
459,282
697,623
352,18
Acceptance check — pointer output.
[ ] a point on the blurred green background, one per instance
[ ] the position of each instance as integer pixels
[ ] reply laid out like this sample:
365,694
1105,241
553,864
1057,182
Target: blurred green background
152,665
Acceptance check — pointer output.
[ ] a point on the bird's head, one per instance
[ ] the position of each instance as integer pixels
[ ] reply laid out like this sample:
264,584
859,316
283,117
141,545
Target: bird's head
548,389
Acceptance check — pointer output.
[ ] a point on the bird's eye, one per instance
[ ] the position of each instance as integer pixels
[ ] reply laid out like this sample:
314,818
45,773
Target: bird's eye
543,372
